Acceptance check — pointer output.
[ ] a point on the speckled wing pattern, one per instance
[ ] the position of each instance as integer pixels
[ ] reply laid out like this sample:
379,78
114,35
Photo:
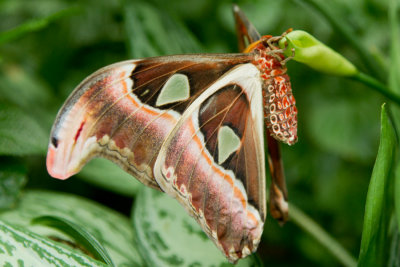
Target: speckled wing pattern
189,125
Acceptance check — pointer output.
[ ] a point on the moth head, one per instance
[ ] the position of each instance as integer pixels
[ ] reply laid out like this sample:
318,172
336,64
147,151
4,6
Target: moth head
69,148
80,131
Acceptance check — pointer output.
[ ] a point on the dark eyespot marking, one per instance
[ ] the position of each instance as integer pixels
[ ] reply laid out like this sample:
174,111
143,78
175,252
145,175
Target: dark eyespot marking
54,141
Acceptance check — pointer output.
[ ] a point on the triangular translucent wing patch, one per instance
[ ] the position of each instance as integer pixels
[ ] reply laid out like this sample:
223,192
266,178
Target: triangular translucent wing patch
228,142
175,89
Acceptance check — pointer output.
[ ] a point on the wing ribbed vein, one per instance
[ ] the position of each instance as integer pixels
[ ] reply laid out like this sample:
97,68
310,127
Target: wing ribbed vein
226,111
210,119
130,91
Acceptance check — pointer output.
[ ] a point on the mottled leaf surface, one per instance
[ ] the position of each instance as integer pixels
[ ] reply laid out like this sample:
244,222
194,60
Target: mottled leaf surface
112,229
21,247
168,236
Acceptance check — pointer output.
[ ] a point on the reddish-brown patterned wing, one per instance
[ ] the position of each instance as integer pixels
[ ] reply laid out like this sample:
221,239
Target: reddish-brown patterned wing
125,111
192,125
213,161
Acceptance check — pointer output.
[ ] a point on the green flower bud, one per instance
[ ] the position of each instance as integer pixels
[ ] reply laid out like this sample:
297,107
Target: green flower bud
315,54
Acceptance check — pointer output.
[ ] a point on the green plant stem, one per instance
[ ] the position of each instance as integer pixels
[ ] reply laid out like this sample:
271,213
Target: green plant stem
377,86
311,227
337,23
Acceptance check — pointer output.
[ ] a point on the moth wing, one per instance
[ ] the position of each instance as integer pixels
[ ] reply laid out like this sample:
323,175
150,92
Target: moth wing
246,32
125,111
213,161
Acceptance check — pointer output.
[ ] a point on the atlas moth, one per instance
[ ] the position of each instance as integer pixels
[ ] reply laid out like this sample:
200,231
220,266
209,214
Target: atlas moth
191,126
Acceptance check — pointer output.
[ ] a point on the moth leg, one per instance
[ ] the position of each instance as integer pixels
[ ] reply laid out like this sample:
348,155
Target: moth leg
270,41
278,196
275,53
283,62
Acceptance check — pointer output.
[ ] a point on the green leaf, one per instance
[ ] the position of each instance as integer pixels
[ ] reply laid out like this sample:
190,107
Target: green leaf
22,89
394,258
12,179
394,84
33,25
151,32
108,175
110,228
165,230
20,247
29,93
19,134
78,233
374,243
394,71
310,51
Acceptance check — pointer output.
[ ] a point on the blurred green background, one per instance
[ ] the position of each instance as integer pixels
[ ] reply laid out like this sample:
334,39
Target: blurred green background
327,171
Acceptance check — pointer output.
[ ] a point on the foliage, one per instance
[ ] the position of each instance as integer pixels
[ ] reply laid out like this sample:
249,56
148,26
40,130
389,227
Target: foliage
48,47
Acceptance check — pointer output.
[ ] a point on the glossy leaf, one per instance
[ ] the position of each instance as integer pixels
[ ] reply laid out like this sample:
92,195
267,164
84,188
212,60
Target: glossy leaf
168,236
145,23
12,179
374,243
19,133
394,258
29,93
394,83
108,175
394,71
110,228
33,25
78,233
21,247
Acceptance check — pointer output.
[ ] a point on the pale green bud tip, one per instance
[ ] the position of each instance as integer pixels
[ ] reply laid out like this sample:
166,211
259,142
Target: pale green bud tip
315,54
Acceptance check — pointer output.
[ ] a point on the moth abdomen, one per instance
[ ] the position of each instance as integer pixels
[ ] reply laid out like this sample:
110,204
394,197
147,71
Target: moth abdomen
280,110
